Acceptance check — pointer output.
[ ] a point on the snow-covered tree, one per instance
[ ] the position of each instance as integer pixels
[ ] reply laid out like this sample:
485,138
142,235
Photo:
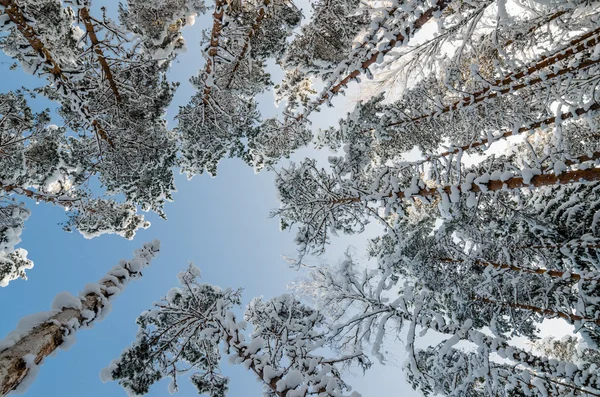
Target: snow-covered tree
41,163
366,307
190,327
109,80
39,335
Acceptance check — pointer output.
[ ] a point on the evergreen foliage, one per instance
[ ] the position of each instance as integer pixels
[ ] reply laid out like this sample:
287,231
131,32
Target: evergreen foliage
476,147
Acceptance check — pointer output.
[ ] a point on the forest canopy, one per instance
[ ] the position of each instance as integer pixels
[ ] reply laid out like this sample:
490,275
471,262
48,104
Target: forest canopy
474,146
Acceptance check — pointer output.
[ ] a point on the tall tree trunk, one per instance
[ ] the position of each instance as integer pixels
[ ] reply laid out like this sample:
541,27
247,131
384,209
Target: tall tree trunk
255,26
509,83
24,350
549,313
89,27
513,268
15,14
11,8
217,27
516,182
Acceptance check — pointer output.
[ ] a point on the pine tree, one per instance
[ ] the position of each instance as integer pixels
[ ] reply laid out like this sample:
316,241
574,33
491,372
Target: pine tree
38,335
223,114
187,329
367,306
112,90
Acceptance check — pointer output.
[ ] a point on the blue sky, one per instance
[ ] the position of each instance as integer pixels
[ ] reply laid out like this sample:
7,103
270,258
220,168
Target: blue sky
220,223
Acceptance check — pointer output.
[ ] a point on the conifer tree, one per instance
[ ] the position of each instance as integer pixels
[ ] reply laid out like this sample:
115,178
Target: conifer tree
39,335
110,82
188,328
365,307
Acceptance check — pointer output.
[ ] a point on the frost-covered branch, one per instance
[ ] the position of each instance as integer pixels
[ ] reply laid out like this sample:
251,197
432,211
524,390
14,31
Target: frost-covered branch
511,82
261,14
549,313
540,272
404,33
213,49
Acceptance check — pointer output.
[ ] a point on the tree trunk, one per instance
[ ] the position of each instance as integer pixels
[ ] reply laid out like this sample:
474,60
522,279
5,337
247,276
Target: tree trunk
16,16
549,313
513,268
586,41
28,348
259,18
214,45
89,27
516,182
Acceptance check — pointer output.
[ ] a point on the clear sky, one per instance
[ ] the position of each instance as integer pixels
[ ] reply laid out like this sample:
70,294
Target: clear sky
220,223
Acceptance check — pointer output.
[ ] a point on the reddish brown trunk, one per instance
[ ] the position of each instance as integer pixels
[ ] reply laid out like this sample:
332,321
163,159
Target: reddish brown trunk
89,27
586,41
16,16
259,18
517,182
214,44
541,272
568,245
14,13
546,312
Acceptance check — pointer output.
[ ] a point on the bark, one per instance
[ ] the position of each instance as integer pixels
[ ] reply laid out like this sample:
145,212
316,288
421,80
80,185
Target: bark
45,338
400,39
548,313
16,16
255,26
517,182
214,45
89,27
559,246
513,268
